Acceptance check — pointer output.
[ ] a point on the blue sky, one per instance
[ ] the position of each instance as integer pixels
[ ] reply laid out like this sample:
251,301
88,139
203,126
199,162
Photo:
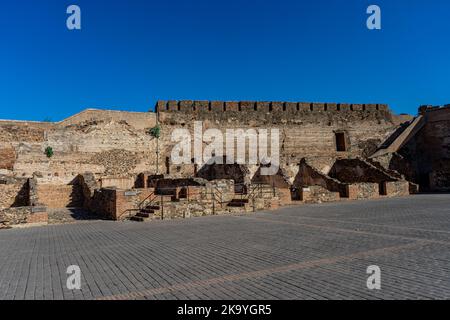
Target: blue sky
131,53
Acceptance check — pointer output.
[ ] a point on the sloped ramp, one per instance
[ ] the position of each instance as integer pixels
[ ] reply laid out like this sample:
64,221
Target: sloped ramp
400,137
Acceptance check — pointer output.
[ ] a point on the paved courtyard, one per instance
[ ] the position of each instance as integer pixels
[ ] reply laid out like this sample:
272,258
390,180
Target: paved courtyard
305,252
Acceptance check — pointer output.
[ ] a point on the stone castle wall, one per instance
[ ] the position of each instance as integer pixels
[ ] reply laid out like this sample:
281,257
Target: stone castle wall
107,143
306,129
116,146
428,153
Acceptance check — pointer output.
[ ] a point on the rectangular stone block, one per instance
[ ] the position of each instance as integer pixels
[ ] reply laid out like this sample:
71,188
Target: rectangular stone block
201,106
331,106
130,193
231,106
383,107
397,188
291,106
370,107
38,209
363,191
186,105
344,107
247,105
38,218
304,106
172,105
217,106
357,107
161,105
318,107
263,106
277,106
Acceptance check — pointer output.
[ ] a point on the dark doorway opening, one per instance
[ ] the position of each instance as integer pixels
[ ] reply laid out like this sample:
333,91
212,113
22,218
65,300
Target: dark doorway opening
340,141
383,188
167,165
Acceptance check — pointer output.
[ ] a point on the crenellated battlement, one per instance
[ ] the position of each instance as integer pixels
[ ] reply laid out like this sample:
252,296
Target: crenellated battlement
188,106
426,108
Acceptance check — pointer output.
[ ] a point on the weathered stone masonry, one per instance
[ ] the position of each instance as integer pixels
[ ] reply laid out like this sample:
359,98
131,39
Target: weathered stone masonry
107,162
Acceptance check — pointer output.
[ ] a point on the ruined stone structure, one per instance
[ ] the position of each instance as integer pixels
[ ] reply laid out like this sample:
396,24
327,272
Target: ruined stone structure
420,149
110,163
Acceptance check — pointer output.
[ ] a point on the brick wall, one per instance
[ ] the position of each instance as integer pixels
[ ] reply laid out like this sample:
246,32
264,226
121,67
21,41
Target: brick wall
60,196
120,183
139,120
38,217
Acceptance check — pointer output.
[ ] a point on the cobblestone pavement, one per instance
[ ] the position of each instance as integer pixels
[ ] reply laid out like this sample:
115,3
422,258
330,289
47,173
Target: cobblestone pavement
305,252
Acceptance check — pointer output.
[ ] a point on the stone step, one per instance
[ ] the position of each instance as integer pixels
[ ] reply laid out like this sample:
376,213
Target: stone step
237,204
153,207
138,219
239,200
148,210
143,214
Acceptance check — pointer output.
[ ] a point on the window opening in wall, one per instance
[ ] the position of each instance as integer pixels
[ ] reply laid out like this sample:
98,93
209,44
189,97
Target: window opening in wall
383,188
340,142
167,165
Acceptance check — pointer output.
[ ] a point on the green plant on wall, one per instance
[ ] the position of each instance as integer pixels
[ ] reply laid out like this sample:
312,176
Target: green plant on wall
155,131
49,152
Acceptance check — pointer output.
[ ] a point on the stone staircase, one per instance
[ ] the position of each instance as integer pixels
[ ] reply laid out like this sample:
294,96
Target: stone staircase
151,208
244,200
239,203
146,213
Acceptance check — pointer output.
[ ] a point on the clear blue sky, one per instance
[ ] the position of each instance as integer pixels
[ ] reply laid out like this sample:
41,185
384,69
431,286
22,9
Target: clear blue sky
131,53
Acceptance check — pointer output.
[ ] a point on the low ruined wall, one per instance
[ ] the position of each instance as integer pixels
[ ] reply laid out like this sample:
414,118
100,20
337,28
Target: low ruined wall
103,203
13,195
397,188
117,204
318,194
358,171
284,195
128,200
222,190
120,183
60,196
107,143
138,120
309,176
14,216
363,191
21,216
